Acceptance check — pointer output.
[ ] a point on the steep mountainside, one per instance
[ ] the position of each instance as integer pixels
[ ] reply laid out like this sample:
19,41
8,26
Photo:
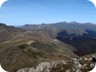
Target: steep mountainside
82,36
25,48
8,32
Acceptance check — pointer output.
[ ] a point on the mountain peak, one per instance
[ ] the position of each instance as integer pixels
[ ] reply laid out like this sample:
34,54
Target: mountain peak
2,24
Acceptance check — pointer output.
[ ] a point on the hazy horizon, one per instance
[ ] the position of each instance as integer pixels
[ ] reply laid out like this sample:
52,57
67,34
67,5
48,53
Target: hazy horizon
48,23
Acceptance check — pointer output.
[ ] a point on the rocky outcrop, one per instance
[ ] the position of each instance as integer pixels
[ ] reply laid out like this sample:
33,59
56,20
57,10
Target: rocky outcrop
44,67
83,64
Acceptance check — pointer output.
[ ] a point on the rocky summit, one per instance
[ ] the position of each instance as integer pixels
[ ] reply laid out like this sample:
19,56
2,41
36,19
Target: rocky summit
83,64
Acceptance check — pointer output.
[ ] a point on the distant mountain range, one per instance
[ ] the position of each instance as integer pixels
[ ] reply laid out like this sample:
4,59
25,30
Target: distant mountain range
22,46
72,28
82,36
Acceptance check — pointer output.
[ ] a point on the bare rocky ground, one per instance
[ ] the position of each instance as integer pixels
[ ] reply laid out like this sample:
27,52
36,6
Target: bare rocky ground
83,64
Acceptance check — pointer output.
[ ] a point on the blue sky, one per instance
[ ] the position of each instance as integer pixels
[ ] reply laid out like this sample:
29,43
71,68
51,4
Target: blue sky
20,12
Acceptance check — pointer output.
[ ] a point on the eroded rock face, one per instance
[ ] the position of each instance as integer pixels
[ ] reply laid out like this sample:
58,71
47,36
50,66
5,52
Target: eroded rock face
73,65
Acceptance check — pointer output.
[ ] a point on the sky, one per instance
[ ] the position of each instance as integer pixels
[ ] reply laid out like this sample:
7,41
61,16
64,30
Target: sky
20,12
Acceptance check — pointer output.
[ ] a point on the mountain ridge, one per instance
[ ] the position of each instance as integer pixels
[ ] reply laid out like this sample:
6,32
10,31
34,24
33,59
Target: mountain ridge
23,47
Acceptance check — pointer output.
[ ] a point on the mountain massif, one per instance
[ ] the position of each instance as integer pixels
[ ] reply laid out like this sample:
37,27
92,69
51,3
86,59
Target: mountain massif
81,36
30,45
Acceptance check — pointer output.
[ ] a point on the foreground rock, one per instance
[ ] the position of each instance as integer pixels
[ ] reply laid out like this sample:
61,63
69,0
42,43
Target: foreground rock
73,65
